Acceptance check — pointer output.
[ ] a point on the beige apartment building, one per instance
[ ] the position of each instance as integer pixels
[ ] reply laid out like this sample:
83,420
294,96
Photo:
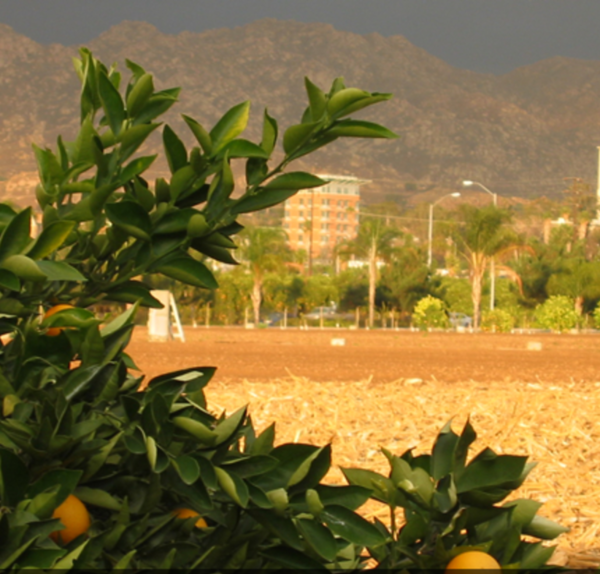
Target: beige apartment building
317,219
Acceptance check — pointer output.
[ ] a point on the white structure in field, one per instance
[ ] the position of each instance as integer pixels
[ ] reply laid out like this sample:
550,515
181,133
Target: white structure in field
161,321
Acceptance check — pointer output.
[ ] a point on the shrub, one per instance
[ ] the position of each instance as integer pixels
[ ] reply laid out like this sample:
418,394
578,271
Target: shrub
497,320
596,316
557,313
430,313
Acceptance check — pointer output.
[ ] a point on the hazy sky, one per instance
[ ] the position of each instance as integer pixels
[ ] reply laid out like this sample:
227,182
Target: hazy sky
483,35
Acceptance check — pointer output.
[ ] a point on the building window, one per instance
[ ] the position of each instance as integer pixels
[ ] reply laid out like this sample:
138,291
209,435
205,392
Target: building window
301,215
301,201
324,226
326,215
324,239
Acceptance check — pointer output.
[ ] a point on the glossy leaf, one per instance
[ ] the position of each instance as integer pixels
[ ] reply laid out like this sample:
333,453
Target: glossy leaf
60,271
139,94
24,268
230,126
360,129
133,137
295,180
133,291
182,180
8,280
351,526
111,103
319,538
50,239
269,133
174,150
261,200
131,217
244,148
190,271
234,486
297,135
317,100
16,236
136,167
200,134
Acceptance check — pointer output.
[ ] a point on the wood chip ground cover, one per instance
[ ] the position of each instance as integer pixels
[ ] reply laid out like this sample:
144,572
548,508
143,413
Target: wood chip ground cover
396,389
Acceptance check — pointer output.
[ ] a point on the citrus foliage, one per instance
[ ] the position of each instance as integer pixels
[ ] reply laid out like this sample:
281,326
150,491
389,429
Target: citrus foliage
73,421
451,506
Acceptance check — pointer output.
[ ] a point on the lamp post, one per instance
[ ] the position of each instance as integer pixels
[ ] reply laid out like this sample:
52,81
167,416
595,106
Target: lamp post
469,183
430,234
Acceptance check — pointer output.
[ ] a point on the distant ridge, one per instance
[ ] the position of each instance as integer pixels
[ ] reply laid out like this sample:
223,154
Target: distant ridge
521,133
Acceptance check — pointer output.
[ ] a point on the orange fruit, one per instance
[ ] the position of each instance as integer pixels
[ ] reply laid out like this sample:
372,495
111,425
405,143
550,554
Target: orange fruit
55,331
184,513
75,518
473,560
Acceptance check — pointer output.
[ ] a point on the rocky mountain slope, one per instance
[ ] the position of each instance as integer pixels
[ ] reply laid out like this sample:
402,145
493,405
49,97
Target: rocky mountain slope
520,134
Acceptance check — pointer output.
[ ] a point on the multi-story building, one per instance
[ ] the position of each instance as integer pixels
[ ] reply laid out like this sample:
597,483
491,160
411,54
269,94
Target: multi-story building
317,219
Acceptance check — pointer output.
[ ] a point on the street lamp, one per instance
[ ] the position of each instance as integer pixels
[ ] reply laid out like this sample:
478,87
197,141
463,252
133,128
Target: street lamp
469,183
430,235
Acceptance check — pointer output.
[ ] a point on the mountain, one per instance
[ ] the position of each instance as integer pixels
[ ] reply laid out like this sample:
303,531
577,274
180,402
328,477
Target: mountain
520,134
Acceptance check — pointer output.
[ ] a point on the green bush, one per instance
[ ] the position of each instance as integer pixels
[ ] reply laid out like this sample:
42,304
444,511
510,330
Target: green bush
430,313
498,320
557,313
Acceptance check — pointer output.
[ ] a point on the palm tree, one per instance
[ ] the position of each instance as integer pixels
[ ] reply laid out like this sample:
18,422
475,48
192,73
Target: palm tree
481,236
262,249
373,243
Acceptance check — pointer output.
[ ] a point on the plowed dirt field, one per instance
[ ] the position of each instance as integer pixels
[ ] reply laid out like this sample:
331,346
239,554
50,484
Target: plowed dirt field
536,395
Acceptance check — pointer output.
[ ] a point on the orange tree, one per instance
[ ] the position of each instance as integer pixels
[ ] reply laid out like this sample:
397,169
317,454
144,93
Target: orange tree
74,423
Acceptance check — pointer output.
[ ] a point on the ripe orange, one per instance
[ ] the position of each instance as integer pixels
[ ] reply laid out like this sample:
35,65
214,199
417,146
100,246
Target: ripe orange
55,331
473,560
74,516
184,513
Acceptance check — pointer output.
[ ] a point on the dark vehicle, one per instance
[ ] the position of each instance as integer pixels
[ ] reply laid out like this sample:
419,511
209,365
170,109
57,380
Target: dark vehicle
460,320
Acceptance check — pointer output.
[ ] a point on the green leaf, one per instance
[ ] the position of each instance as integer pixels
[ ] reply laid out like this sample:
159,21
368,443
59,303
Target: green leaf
544,528
297,135
111,103
131,217
230,126
341,100
16,236
60,271
295,180
176,221
535,556
139,94
269,134
351,497
264,441
97,497
202,136
187,468
319,538
24,268
8,280
215,252
51,173
243,148
383,488
303,468
157,105
351,526
360,129
133,137
50,239
195,428
183,179
360,104
228,427
252,465
75,317
234,486
188,270
136,167
261,200
317,100
174,150
84,147
133,291
490,470
125,318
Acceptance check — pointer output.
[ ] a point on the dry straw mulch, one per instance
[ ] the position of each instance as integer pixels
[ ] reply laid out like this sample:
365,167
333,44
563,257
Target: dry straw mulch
555,425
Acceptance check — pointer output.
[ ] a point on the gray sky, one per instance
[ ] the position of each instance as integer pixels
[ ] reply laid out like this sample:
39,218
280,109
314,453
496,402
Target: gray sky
483,35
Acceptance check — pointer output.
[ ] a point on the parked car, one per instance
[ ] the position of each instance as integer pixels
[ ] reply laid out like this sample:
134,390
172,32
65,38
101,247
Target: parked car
460,320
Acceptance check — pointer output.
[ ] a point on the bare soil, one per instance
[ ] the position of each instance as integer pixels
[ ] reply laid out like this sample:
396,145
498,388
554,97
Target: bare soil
535,395
381,356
